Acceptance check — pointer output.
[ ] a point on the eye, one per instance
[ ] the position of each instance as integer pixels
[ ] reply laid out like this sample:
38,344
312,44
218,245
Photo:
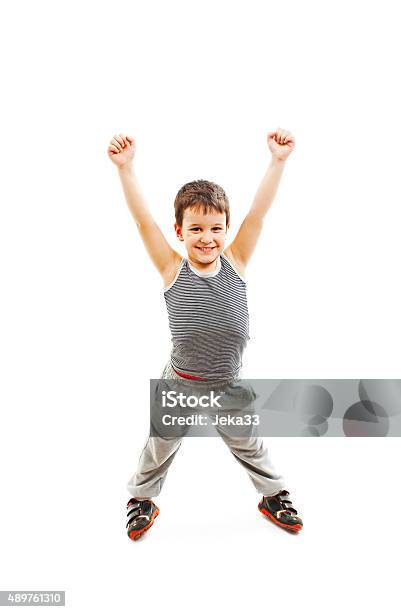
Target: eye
193,229
218,228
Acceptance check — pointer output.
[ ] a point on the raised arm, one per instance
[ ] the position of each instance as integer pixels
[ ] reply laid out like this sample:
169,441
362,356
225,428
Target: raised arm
121,151
281,144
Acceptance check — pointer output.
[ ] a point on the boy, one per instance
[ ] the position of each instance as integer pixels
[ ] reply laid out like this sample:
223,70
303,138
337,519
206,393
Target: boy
206,301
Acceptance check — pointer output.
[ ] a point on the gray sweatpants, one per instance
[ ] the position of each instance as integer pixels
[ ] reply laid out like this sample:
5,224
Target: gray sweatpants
158,454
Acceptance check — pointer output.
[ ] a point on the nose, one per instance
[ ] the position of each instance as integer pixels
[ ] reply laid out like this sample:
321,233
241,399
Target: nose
206,238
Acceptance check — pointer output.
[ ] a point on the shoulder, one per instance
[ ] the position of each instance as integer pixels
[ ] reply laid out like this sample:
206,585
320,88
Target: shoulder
234,262
171,270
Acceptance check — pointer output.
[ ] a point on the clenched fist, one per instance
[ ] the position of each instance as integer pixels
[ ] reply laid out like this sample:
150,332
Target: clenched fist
121,150
281,143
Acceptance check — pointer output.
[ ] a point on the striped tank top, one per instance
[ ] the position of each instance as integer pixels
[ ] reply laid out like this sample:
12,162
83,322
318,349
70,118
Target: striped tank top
208,319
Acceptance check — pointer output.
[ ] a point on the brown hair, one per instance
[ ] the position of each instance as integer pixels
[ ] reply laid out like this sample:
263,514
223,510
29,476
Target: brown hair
203,196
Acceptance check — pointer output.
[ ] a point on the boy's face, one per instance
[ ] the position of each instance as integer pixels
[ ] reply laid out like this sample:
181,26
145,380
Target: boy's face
203,235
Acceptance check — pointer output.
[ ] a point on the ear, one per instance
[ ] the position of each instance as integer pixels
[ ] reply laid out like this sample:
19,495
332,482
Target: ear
178,232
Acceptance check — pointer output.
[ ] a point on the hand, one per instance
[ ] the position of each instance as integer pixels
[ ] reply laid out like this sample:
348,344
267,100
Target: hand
121,150
281,143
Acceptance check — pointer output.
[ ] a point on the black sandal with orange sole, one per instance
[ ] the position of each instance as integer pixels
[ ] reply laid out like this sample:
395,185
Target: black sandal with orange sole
141,515
278,508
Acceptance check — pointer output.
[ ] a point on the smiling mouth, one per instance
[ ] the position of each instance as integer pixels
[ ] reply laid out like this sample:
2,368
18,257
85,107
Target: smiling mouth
206,249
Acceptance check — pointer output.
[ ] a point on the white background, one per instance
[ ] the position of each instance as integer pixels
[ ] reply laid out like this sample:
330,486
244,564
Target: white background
199,85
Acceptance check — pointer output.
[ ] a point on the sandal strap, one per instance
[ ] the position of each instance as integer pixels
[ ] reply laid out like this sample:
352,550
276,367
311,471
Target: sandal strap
135,511
133,505
286,504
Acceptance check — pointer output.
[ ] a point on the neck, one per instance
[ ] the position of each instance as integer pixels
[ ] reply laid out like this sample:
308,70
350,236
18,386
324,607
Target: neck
204,267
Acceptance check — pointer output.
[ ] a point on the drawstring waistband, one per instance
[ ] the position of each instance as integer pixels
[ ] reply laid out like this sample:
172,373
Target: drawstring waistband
212,381
188,375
